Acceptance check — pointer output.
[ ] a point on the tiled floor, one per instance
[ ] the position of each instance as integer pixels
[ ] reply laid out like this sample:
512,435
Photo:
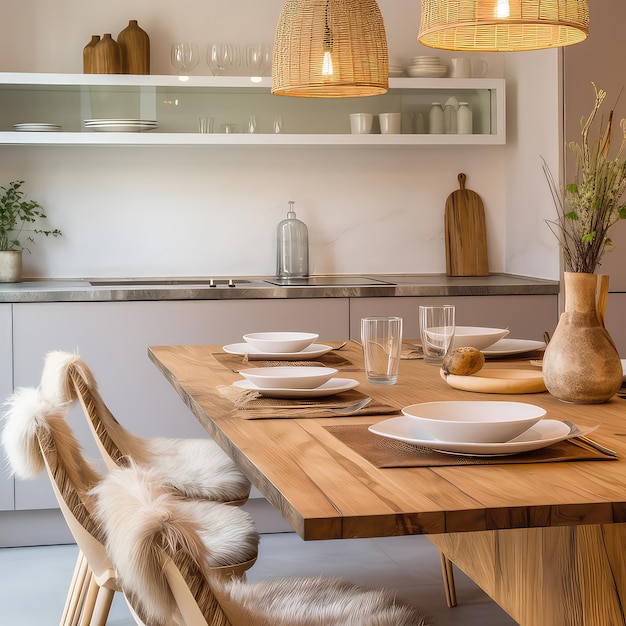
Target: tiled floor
35,580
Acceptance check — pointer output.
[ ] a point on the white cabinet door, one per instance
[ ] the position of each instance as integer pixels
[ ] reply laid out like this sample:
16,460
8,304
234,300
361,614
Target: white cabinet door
527,317
112,338
6,386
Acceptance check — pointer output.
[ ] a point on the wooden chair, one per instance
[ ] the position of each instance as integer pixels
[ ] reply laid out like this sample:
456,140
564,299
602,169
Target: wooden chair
36,436
148,534
197,468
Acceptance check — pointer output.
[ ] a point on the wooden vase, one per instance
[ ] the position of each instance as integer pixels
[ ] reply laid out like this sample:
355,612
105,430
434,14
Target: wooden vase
581,364
106,56
134,46
88,54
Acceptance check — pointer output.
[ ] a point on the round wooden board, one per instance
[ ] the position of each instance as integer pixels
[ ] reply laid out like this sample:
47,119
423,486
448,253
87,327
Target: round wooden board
498,381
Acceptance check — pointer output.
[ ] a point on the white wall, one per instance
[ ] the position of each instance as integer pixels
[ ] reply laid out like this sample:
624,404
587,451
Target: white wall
214,210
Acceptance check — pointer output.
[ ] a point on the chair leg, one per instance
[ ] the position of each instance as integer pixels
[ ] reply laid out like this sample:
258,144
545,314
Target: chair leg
74,589
103,605
448,580
90,601
75,604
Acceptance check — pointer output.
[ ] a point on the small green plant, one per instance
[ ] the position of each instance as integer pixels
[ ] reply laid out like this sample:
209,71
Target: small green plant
16,215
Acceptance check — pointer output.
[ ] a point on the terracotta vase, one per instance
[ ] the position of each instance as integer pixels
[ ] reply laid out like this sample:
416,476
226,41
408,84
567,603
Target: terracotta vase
134,46
581,364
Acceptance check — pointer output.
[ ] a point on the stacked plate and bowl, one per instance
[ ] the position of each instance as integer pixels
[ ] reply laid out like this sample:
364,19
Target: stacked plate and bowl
474,428
427,67
288,381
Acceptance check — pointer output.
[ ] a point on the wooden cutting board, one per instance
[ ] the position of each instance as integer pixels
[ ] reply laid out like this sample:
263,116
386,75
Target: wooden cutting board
466,234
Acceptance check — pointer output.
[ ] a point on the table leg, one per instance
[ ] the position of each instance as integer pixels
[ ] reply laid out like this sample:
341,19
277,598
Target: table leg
556,576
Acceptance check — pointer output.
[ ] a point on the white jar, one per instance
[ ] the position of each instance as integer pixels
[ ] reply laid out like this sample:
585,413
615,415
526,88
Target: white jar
436,120
464,119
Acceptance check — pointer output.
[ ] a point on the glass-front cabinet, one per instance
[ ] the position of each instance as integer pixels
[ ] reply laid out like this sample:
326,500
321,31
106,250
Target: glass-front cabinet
92,109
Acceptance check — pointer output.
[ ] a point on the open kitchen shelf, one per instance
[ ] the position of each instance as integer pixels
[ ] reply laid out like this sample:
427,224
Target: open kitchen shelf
177,102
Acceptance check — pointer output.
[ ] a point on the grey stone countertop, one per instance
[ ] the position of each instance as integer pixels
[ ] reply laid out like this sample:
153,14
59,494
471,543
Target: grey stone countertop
260,287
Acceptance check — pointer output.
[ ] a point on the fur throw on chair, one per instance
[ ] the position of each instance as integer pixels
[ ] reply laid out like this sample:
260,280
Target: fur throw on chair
196,468
141,518
29,415
142,522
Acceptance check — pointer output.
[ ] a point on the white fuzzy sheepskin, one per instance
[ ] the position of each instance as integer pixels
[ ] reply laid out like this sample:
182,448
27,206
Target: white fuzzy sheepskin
138,515
197,468
25,412
316,602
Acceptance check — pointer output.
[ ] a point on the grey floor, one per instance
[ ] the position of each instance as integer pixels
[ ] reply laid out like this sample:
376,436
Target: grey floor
35,580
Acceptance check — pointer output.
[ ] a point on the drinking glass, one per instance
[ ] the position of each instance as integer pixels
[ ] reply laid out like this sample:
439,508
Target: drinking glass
252,126
184,57
258,59
220,57
381,338
205,124
278,124
437,327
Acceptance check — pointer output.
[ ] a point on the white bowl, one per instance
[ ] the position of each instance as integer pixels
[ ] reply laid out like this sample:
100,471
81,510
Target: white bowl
280,342
477,337
288,377
475,421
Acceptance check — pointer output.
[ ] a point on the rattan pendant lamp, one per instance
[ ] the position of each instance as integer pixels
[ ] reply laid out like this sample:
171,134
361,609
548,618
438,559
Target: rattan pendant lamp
503,25
330,49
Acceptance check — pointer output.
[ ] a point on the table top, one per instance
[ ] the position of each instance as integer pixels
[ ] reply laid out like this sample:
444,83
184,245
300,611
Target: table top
325,490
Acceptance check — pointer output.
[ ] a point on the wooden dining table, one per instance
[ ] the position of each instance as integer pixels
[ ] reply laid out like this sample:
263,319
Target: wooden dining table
546,540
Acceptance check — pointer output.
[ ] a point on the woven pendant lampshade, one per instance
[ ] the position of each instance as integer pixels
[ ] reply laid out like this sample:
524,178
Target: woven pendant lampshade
503,25
330,49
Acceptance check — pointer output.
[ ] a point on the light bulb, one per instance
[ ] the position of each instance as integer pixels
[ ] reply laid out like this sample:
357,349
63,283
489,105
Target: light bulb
502,9
327,64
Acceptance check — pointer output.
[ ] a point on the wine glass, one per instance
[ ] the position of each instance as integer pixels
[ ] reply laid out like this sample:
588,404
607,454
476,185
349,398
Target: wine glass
258,59
184,57
220,57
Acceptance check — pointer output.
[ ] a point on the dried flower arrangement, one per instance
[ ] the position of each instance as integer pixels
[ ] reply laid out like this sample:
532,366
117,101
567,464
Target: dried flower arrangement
591,205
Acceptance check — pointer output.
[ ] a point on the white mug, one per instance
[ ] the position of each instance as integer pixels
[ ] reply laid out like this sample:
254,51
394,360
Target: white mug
461,67
479,68
361,123
390,123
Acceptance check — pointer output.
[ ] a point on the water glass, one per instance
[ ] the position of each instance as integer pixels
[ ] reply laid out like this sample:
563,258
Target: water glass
437,327
205,124
381,338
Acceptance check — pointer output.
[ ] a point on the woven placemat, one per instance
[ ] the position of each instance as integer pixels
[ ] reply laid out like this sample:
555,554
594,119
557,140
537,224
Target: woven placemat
236,362
250,407
383,452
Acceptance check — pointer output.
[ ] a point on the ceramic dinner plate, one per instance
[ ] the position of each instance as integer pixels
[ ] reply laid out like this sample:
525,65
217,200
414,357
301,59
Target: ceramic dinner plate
330,388
541,435
311,352
507,347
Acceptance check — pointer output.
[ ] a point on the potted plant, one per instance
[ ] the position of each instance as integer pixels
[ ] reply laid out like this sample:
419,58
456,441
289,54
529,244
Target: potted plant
581,363
18,215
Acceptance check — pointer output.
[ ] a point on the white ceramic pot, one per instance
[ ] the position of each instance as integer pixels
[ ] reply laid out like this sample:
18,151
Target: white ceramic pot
10,266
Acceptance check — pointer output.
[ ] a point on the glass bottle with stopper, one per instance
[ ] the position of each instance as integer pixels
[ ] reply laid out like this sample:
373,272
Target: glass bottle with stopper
292,247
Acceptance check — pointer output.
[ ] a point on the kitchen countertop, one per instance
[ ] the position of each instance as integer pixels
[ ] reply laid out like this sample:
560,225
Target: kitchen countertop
257,287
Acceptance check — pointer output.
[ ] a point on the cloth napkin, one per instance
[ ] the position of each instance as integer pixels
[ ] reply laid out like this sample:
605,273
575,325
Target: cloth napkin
250,405
235,362
383,452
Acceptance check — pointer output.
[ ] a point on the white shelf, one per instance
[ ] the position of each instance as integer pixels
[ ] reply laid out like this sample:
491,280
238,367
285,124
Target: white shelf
176,102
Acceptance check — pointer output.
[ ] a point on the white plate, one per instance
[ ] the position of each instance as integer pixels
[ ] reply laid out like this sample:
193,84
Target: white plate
33,127
311,352
333,386
541,435
120,121
505,347
121,128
